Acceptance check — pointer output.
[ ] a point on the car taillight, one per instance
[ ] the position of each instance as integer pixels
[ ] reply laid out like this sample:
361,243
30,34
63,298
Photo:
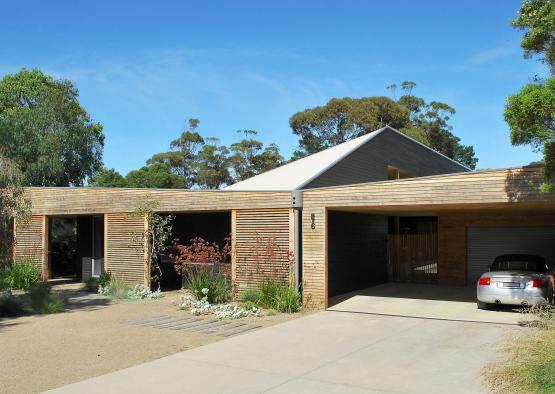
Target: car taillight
485,281
538,283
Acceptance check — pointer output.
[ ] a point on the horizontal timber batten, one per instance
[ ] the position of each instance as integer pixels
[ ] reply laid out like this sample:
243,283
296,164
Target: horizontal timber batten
504,187
85,200
262,246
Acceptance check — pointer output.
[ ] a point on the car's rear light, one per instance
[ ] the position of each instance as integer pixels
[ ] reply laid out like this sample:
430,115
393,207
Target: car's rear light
538,283
485,281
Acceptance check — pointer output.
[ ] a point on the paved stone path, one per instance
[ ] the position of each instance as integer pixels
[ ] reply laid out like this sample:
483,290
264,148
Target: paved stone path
205,325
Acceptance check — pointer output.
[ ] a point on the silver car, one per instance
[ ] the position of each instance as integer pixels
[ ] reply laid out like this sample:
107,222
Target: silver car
515,279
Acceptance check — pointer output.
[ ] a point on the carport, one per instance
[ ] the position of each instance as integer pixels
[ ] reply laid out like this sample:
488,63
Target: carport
423,255
421,237
367,249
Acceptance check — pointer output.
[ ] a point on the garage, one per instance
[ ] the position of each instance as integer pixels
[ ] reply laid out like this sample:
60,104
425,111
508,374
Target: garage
486,243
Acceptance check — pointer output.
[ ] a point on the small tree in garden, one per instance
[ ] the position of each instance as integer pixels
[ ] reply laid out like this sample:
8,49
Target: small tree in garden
154,239
13,205
197,253
198,260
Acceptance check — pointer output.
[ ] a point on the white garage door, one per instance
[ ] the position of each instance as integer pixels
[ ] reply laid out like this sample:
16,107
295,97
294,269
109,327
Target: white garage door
486,243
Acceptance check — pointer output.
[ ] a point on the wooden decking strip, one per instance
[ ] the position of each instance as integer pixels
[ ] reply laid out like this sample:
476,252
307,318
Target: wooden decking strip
214,330
218,323
143,320
161,321
194,324
223,328
171,322
180,323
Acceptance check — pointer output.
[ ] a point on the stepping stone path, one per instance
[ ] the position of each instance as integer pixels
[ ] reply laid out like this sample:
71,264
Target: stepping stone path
205,325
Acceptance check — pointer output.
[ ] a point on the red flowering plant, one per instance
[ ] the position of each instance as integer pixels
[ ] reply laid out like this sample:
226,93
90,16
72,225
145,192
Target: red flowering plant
205,267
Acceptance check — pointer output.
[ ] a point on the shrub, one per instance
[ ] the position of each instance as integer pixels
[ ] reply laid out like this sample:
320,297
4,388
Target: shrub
253,295
22,275
269,290
249,305
287,300
199,279
104,278
140,292
93,283
280,296
41,301
200,251
10,306
115,288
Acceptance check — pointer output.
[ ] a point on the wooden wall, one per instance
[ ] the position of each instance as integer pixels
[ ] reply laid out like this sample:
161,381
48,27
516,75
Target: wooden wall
31,241
86,200
124,257
262,247
441,191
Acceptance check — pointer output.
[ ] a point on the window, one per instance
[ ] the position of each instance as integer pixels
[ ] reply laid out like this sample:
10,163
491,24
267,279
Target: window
396,173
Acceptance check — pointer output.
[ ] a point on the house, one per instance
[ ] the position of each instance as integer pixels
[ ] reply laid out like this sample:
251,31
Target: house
378,208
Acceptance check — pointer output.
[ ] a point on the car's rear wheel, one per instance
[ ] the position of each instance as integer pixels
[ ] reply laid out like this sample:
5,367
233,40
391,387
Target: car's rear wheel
551,295
482,305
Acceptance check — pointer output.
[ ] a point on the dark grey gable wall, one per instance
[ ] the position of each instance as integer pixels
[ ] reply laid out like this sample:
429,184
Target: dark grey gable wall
369,162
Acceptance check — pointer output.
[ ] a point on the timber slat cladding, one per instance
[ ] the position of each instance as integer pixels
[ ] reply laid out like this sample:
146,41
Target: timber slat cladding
29,239
125,256
262,246
500,186
85,200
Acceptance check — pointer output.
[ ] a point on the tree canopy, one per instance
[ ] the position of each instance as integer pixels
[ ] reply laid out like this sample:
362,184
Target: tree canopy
183,153
249,157
537,19
194,161
46,131
107,177
340,120
530,113
531,117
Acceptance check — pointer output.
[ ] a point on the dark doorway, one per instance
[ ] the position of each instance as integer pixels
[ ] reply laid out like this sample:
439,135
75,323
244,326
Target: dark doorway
63,248
357,253
76,247
211,226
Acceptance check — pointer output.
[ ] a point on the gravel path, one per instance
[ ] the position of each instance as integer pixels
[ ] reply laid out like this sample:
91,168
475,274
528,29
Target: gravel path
95,337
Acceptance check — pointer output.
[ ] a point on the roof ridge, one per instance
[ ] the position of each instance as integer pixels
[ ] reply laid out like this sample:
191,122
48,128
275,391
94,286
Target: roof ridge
363,139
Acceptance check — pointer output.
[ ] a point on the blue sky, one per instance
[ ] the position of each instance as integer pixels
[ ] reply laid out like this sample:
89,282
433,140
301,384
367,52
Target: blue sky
144,68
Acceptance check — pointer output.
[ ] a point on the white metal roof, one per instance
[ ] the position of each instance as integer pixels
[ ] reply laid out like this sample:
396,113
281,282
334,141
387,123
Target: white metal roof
295,175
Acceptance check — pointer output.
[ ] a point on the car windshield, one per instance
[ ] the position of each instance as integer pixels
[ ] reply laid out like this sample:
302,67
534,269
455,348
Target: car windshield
519,263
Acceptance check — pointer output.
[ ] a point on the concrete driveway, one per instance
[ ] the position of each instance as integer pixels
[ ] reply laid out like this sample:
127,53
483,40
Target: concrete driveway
325,352
425,301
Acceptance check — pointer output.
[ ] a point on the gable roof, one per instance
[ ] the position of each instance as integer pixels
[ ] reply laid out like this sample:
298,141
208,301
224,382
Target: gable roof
299,173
